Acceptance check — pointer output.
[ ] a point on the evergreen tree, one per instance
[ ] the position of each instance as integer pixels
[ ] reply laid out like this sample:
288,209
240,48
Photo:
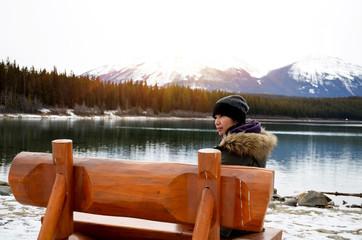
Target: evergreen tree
25,90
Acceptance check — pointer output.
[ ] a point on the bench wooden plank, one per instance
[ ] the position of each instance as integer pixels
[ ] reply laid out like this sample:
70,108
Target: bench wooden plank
110,227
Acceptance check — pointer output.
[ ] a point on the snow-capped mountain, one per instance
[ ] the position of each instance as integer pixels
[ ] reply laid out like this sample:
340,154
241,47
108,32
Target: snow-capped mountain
226,72
315,76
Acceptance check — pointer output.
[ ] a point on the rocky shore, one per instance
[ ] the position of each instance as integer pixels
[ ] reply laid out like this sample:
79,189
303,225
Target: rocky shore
310,199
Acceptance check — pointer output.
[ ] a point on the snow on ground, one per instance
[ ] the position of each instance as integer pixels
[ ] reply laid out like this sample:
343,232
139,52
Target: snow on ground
315,223
19,221
71,116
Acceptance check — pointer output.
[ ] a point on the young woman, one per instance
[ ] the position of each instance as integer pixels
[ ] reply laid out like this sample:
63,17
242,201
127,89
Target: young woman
242,143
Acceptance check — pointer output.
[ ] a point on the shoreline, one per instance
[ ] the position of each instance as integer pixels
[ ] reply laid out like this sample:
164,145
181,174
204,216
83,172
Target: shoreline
111,115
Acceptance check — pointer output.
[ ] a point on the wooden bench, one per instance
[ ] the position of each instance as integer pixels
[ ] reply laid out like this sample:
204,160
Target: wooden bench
94,198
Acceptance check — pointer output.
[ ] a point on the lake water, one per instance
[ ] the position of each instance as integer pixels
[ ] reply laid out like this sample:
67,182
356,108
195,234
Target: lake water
309,156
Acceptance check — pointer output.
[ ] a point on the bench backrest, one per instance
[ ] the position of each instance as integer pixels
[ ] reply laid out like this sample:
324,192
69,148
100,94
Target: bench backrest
168,192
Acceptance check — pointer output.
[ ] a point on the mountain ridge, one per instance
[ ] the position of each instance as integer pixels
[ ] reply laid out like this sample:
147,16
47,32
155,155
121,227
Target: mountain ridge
314,76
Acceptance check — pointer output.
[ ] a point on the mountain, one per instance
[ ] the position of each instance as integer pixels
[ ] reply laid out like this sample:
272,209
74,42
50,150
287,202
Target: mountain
314,76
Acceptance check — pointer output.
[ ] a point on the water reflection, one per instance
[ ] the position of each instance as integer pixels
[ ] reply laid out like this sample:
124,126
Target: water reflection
323,157
136,140
318,158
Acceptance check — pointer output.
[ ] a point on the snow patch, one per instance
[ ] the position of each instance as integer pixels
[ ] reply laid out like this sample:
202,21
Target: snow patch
44,110
315,223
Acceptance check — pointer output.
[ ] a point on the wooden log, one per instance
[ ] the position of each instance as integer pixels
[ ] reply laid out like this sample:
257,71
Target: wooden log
54,209
344,194
209,168
204,216
118,187
63,159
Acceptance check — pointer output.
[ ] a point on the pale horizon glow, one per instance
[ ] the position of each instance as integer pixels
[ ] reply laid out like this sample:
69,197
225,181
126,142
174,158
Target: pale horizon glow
82,35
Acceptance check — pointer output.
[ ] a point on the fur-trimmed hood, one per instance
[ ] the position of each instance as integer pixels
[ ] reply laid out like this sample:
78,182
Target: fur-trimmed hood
256,145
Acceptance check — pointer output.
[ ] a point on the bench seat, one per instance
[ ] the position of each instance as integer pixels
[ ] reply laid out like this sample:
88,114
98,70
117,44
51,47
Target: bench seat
92,226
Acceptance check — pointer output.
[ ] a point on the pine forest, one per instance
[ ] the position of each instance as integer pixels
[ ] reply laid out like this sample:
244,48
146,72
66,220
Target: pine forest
24,90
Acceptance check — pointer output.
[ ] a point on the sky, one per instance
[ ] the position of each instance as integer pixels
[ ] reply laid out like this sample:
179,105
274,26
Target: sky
80,35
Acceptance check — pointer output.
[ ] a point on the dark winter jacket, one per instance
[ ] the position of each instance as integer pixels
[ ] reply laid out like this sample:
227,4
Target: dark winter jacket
247,145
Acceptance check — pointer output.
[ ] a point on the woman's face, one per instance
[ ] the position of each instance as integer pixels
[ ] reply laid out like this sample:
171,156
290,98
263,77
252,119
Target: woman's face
223,123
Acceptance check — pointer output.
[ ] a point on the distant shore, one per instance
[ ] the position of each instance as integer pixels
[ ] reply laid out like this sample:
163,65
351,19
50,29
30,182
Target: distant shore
112,115
311,120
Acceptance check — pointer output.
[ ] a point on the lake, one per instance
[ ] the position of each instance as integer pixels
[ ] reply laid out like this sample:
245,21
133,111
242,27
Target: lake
309,156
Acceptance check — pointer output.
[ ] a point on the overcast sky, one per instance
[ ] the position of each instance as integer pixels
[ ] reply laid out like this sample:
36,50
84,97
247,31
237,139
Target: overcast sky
79,35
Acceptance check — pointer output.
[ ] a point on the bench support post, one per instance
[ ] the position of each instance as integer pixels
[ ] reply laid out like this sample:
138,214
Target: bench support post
208,215
58,219
54,209
63,160
204,216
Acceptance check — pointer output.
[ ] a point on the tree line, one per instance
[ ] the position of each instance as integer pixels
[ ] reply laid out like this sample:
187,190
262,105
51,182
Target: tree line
27,90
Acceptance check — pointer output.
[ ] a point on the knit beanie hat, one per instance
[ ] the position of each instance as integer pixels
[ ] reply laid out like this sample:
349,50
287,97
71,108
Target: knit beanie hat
233,106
